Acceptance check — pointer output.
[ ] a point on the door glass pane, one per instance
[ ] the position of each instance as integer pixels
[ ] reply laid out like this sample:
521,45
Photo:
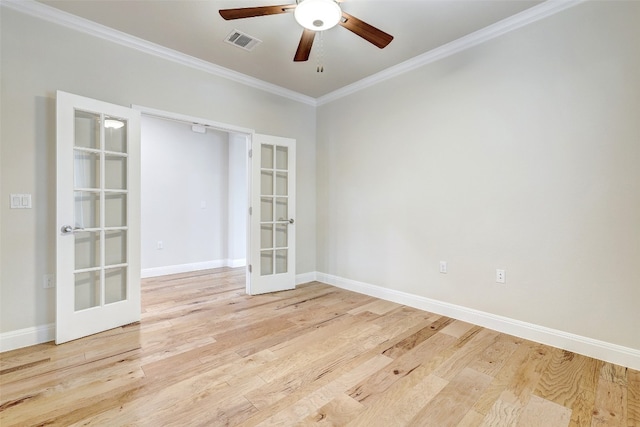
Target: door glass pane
86,171
115,172
86,290
87,249
115,250
115,285
281,235
281,261
266,162
266,209
266,263
281,184
266,236
282,158
115,134
115,210
282,210
266,183
87,209
87,130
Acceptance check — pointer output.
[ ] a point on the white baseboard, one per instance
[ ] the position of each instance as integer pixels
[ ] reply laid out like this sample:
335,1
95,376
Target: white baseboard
235,263
305,277
28,336
195,266
602,350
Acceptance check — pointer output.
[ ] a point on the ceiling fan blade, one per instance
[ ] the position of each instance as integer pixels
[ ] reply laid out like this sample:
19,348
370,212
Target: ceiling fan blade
250,12
366,31
304,47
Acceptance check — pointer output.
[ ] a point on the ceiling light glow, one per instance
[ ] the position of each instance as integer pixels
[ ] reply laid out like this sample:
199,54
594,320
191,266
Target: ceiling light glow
113,123
318,15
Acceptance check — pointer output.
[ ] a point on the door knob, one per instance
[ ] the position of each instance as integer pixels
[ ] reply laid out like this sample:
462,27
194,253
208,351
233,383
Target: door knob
66,229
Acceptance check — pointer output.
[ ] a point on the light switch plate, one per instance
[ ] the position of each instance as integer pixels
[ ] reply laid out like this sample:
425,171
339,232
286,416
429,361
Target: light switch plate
20,201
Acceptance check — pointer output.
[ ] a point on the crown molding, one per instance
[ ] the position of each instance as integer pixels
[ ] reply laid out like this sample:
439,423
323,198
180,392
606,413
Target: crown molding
526,17
51,14
56,16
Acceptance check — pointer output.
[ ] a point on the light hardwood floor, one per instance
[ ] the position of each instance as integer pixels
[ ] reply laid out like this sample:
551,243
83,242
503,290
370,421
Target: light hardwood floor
207,354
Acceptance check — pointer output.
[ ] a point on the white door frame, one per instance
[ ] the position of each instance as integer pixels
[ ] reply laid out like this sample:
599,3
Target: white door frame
152,112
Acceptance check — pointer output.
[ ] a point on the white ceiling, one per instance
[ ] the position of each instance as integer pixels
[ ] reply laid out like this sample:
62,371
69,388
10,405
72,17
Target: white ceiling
195,28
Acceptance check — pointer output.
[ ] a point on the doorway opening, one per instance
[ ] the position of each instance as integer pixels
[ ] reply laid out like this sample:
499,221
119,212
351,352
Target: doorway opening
194,195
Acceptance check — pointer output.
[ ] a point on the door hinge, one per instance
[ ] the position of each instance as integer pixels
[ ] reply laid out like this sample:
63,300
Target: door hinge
250,269
250,211
250,153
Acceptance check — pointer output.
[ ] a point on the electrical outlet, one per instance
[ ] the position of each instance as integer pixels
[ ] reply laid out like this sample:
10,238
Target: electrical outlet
443,267
48,281
159,245
501,276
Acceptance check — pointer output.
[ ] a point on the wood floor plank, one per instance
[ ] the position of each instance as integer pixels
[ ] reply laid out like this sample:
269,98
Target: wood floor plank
514,377
449,406
404,400
543,412
475,342
633,398
338,412
312,402
205,353
377,384
611,399
570,380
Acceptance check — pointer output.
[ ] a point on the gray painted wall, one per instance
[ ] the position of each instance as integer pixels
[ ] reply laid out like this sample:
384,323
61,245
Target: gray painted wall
522,154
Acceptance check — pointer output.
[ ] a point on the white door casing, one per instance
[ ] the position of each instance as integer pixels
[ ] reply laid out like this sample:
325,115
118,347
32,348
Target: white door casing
97,218
272,219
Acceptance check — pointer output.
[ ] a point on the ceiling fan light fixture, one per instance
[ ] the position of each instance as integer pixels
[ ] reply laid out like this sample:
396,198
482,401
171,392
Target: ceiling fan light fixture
318,15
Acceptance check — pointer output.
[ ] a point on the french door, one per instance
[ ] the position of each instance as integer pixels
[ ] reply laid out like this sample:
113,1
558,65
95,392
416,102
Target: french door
98,223
272,219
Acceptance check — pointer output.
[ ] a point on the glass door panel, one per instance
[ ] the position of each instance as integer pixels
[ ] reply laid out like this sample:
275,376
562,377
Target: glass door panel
115,251
115,172
87,130
86,169
115,134
87,290
281,261
115,285
266,236
100,197
281,183
282,209
115,210
266,263
87,209
266,208
274,220
282,158
88,249
281,235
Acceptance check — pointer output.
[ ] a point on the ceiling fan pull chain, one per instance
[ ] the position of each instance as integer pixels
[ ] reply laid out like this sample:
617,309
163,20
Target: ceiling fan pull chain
320,55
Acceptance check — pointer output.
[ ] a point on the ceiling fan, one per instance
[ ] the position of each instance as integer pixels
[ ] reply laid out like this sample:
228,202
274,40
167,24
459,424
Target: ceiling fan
314,15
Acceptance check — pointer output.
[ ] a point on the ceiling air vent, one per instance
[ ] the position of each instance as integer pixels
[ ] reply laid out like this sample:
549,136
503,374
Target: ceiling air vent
242,40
